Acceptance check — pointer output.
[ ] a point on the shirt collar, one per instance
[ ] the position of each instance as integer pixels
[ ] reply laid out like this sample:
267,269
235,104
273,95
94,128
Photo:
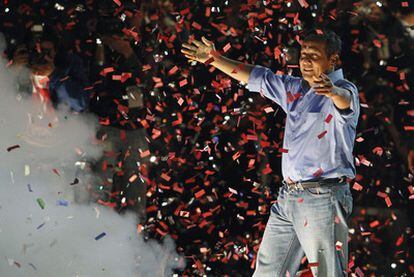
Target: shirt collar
336,75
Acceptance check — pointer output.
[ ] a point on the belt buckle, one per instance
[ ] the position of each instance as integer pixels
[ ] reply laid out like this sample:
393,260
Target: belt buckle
298,186
294,186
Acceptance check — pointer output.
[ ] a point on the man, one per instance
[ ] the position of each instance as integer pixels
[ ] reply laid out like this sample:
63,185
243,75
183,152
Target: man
315,201
56,76
119,104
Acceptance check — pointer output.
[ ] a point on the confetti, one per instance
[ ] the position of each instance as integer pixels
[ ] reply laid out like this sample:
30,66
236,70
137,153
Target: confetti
183,82
101,235
62,202
13,147
328,118
26,170
283,150
338,245
318,172
321,135
41,203
226,47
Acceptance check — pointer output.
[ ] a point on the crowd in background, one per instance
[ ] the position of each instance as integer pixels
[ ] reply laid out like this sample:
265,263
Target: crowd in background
193,152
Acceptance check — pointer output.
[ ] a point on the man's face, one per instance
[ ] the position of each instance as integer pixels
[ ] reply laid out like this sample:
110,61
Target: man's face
313,60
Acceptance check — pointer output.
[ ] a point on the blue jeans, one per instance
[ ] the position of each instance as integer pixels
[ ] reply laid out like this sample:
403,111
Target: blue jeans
312,222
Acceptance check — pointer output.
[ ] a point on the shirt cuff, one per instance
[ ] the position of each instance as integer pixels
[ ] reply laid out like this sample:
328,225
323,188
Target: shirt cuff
353,108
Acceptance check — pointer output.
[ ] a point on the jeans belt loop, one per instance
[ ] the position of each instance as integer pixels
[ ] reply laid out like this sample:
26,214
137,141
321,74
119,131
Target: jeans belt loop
299,185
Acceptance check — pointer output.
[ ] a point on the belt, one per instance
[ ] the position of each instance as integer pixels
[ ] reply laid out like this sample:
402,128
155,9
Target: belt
301,185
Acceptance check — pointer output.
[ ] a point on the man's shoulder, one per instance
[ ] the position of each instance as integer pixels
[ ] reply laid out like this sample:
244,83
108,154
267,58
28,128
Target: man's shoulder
347,84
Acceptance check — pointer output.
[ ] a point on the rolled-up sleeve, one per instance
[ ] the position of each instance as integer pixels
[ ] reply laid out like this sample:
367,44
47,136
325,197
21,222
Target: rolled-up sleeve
352,113
269,84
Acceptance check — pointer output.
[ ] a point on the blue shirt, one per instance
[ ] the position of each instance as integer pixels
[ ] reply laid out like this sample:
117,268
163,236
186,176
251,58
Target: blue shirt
68,84
319,137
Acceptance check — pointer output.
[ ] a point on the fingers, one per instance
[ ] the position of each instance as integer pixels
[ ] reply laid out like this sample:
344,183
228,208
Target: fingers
187,52
197,43
206,41
190,47
324,93
323,81
191,57
322,86
325,77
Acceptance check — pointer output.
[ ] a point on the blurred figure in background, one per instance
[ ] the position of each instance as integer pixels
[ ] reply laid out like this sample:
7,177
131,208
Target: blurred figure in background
56,77
118,100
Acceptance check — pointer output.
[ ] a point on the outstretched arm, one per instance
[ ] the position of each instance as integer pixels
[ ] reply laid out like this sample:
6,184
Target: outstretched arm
205,52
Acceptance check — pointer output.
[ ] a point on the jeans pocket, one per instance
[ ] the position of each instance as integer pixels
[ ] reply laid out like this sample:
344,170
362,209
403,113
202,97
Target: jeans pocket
345,200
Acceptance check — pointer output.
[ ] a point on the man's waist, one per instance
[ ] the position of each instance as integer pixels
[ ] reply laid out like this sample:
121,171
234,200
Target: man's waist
314,183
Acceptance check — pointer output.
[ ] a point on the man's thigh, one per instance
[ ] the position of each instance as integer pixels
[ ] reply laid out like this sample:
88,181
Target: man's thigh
280,251
321,227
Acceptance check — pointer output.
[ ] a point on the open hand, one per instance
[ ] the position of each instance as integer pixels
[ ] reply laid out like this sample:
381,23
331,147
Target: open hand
200,51
323,86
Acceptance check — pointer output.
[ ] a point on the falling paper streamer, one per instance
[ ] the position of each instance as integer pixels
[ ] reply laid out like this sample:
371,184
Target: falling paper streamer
41,203
26,170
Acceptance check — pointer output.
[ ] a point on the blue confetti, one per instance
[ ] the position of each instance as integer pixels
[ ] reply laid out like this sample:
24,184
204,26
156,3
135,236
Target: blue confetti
62,202
41,225
101,235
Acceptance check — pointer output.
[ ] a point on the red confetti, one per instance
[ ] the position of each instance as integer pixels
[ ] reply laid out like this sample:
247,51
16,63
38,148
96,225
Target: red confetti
392,68
173,70
196,25
183,82
165,177
357,186
226,47
374,224
133,178
283,150
399,241
318,172
236,155
209,61
117,2
328,118
200,193
388,201
321,135
56,171
338,245
145,154
303,4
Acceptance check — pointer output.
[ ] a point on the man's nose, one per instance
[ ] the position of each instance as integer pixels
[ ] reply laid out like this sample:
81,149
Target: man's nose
307,61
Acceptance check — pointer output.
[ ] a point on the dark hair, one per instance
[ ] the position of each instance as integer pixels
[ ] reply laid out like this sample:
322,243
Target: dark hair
332,40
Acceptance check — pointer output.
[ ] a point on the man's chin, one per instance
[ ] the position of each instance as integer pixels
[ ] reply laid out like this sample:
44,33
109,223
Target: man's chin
307,77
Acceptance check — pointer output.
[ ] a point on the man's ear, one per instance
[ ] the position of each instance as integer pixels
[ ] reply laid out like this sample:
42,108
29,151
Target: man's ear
334,60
